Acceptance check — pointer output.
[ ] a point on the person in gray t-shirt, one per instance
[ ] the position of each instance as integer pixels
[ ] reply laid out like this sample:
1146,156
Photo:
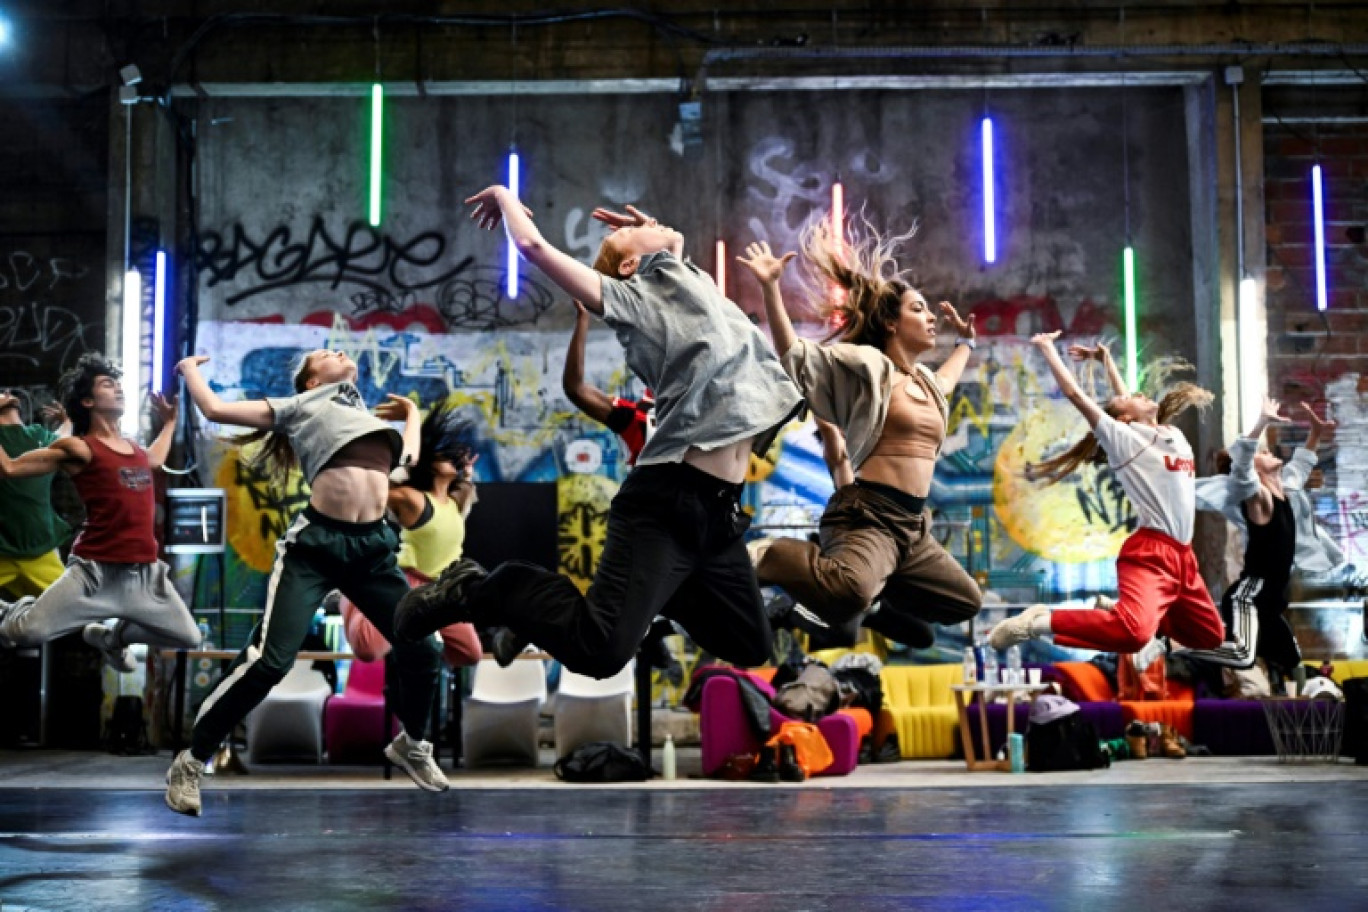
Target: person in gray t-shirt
674,542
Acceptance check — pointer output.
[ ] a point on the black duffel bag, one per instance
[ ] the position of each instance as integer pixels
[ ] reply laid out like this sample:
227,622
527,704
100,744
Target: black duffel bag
602,761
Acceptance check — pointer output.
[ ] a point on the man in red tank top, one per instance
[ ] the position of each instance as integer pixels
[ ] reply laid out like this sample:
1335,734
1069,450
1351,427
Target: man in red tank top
113,570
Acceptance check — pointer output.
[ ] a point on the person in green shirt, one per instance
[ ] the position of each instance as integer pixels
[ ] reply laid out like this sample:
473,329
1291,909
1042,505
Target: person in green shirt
30,530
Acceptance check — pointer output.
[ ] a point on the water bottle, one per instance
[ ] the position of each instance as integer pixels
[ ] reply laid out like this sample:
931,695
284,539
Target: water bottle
205,642
1016,752
668,769
990,665
970,666
1014,674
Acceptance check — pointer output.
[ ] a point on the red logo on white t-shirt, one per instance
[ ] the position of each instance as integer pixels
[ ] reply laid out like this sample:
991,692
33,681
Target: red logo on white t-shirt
1180,464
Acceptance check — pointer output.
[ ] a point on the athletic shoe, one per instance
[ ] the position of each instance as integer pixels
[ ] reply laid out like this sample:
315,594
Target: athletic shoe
756,548
116,657
766,768
415,758
183,784
1137,739
1103,603
506,645
437,604
1016,630
789,768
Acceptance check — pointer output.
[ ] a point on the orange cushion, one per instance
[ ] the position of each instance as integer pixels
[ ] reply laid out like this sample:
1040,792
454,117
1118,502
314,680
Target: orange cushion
864,722
1085,681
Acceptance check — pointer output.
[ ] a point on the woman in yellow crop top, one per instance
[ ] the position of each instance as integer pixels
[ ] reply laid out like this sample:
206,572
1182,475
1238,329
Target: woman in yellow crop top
431,508
877,563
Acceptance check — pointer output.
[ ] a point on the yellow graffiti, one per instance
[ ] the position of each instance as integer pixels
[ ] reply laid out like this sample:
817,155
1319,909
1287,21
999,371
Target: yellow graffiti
1049,520
260,508
342,338
582,505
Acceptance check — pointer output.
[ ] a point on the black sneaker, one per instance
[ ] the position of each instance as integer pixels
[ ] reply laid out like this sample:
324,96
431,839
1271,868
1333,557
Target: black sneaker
506,645
889,751
767,769
789,769
432,606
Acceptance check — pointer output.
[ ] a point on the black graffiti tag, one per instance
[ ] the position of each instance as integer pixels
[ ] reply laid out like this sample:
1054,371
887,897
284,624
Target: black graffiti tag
362,256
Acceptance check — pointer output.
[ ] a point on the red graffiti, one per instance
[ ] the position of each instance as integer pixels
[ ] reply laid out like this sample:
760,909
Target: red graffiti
424,315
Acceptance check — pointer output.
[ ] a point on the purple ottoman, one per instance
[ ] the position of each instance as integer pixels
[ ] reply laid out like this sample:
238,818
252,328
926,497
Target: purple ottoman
722,724
1231,728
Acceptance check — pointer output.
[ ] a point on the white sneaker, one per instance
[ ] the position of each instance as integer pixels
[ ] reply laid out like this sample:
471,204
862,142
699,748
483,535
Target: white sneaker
1016,630
1103,603
183,784
116,657
415,758
757,548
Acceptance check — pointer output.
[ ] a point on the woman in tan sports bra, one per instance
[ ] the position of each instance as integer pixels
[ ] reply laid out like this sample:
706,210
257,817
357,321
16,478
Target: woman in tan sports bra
875,533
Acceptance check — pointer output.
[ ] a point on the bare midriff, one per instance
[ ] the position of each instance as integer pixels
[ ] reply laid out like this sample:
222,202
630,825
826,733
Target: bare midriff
350,494
905,456
728,463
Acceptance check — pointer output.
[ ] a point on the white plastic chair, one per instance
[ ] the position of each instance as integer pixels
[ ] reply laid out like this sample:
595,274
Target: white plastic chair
499,720
288,724
588,709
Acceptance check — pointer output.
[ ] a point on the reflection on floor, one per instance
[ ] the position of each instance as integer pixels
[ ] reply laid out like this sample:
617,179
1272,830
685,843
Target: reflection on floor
1154,834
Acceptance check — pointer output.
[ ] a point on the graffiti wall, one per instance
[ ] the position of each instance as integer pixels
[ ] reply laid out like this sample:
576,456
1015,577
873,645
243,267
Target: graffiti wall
286,264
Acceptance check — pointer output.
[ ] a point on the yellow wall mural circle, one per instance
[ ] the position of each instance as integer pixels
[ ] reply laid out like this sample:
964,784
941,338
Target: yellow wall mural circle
260,508
582,502
1082,518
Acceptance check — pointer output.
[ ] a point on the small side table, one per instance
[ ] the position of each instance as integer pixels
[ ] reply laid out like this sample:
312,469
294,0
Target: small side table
965,695
1305,729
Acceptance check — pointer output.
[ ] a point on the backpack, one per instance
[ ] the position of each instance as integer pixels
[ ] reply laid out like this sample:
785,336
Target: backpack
602,761
1064,743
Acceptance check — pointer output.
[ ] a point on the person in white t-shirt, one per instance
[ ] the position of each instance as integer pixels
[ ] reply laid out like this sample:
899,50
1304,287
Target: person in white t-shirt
1160,588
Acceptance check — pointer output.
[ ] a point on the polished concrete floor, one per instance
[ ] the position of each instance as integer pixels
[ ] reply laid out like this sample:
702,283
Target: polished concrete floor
1243,845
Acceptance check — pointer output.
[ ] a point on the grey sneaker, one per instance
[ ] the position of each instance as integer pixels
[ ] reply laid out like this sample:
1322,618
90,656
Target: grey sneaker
116,657
1104,603
415,758
183,784
430,607
1016,630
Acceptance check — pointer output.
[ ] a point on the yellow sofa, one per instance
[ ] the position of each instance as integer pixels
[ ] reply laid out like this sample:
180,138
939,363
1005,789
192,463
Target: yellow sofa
918,699
1344,669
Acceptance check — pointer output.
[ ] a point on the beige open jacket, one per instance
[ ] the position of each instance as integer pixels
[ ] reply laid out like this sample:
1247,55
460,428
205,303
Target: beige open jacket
850,385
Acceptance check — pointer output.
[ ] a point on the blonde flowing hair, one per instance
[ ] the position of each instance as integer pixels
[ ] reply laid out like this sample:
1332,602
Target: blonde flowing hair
864,270
1178,397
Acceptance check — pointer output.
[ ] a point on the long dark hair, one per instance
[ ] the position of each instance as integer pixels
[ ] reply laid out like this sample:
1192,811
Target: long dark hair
1179,398
445,435
276,456
78,384
870,281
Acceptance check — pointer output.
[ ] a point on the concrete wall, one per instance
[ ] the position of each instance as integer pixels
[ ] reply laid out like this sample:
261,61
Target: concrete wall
420,301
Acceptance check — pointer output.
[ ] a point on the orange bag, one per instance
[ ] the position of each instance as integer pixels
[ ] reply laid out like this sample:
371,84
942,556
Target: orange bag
1133,685
808,745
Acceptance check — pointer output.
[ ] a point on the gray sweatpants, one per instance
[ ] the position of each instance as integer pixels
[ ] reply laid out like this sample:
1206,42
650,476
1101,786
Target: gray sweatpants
140,596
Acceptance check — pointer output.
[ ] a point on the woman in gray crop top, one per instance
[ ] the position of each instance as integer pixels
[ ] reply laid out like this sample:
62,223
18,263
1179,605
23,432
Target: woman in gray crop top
876,562
340,541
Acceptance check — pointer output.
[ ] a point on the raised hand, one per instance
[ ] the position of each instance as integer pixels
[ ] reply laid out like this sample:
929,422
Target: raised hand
487,212
191,363
1270,413
1098,352
165,408
1045,340
761,261
616,220
1321,424
963,328
395,408
53,414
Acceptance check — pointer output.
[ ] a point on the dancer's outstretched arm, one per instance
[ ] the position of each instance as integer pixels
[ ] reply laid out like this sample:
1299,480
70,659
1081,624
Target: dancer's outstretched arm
402,408
767,267
834,453
1304,458
498,204
166,409
1258,500
1068,384
66,454
1102,352
588,398
950,372
252,413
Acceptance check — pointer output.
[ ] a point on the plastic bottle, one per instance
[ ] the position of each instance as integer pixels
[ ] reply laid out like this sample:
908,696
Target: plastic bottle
1014,674
668,769
970,666
1016,751
205,642
990,665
